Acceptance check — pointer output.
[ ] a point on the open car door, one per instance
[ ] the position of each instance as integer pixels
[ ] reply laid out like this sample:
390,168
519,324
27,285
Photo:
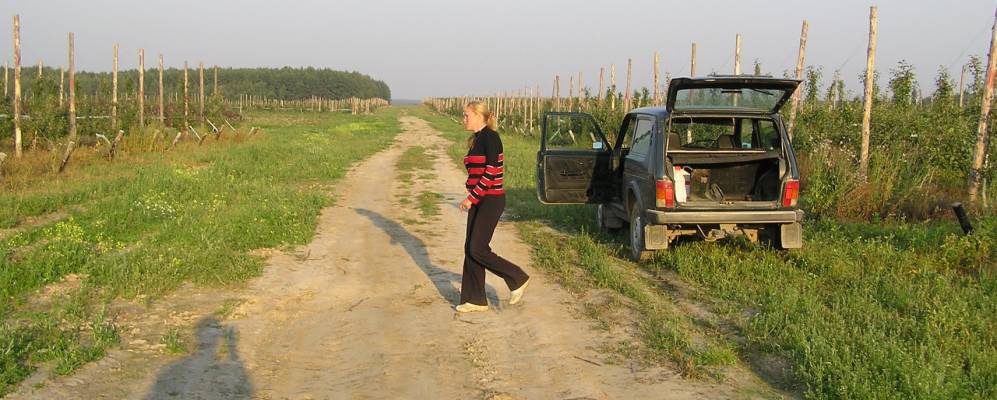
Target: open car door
574,164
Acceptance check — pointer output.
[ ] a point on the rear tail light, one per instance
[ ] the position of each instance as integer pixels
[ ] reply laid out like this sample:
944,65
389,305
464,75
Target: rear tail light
664,194
791,193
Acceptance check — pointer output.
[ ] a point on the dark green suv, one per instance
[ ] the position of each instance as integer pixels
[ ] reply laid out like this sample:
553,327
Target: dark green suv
714,162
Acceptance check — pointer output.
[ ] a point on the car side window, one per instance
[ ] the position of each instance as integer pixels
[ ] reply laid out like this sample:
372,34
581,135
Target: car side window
627,132
768,136
642,137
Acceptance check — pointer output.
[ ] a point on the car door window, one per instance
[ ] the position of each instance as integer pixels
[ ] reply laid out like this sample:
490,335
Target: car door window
642,137
573,132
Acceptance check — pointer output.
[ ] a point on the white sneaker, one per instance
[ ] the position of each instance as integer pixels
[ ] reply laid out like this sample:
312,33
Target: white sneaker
517,294
470,307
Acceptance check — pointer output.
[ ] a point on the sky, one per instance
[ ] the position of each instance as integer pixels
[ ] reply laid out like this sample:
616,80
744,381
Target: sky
450,48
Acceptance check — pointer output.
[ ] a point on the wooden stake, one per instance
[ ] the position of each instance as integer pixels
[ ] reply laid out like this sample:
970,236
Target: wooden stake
557,93
200,111
656,93
186,111
141,88
72,87
62,79
5,85
612,85
628,98
602,73
214,88
982,136
581,86
17,85
114,89
72,105
799,75
571,91
737,55
114,145
867,104
39,69
162,114
692,61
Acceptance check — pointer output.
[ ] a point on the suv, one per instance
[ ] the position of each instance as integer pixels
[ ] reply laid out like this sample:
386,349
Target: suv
714,162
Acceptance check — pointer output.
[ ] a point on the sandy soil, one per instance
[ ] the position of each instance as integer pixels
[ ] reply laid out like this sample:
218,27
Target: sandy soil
365,311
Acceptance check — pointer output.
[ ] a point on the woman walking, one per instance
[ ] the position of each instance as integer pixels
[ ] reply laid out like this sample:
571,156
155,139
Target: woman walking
484,204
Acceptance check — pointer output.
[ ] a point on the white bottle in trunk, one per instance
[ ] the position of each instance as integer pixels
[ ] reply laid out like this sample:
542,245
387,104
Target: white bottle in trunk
682,184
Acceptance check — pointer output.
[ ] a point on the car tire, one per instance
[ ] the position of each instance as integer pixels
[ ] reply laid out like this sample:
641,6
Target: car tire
602,220
637,251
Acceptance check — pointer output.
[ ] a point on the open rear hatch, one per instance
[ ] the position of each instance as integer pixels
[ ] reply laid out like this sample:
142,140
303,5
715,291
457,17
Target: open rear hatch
737,93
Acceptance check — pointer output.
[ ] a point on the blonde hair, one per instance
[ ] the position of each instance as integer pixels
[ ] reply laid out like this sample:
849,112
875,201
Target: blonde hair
490,121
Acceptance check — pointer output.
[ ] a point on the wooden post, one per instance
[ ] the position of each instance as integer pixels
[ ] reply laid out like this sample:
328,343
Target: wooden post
737,54
162,114
602,73
5,85
62,80
656,93
39,69
200,111
186,110
114,90
214,87
612,85
692,61
580,85
571,91
867,105
72,105
557,93
627,98
17,85
962,79
799,75
141,88
982,136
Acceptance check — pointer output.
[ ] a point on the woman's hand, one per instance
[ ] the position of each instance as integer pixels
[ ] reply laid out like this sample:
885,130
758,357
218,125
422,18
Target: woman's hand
465,205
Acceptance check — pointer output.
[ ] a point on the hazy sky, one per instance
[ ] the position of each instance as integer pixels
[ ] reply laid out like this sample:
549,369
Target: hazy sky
442,47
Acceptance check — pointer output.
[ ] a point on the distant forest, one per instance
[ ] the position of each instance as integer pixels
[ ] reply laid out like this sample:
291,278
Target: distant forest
279,83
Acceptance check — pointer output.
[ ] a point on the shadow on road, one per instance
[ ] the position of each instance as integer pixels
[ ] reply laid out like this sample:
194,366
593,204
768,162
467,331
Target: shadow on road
214,371
446,282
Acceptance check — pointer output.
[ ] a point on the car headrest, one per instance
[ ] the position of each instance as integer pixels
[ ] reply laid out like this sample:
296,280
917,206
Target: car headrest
725,142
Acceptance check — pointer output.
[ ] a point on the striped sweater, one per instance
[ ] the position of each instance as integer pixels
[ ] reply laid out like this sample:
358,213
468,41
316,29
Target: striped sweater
484,163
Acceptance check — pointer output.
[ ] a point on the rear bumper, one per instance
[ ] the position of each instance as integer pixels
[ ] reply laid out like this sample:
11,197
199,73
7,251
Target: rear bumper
724,217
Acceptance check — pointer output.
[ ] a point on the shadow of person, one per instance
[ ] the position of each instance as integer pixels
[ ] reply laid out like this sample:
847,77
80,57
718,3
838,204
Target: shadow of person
213,371
446,282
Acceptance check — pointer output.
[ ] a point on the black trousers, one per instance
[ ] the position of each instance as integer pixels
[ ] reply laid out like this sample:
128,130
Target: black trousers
482,219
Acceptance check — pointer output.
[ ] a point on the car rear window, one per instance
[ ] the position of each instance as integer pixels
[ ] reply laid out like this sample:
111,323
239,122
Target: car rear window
733,133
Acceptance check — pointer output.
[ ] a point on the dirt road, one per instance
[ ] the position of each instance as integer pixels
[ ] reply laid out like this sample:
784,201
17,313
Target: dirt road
365,311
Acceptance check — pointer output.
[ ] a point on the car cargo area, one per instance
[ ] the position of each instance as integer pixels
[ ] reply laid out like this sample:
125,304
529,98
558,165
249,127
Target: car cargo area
725,160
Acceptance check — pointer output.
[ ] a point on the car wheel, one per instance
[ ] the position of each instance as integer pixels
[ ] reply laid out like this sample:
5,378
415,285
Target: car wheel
637,251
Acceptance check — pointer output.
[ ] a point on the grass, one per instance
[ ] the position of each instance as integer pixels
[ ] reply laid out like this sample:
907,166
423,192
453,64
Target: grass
864,310
414,160
147,224
173,341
